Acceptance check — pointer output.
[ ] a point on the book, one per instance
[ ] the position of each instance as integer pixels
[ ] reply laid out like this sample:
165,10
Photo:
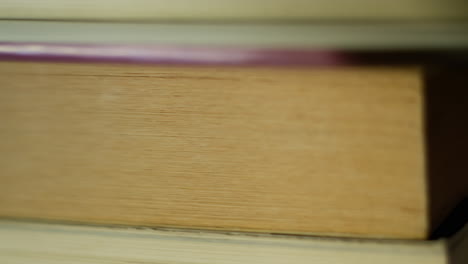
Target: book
236,10
25,242
305,36
299,150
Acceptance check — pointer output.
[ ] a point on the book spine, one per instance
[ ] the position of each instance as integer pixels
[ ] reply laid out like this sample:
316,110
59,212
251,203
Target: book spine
177,55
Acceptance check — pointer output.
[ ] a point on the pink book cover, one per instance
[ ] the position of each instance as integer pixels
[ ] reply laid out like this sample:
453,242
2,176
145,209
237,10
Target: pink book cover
217,55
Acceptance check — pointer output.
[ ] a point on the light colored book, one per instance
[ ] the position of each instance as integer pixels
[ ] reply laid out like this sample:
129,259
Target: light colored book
342,150
25,243
232,10
341,36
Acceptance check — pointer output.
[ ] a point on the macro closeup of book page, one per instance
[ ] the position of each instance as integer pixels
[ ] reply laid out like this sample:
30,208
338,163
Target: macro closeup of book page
233,131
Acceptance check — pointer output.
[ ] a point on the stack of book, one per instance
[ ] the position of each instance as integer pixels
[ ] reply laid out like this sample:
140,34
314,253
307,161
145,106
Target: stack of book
233,131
